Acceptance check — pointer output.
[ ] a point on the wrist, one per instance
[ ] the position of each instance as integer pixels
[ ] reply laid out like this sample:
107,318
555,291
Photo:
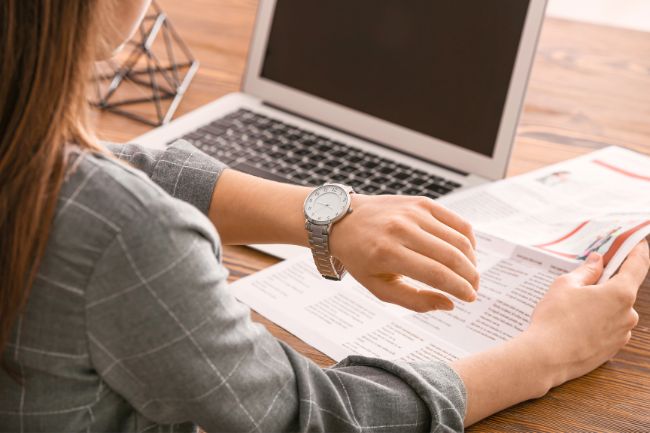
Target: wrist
294,214
342,232
538,352
250,210
520,369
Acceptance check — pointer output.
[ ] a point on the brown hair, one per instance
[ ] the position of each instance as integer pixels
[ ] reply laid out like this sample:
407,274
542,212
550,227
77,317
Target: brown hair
47,48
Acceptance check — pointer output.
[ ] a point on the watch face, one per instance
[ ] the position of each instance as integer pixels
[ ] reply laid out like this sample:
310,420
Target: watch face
326,204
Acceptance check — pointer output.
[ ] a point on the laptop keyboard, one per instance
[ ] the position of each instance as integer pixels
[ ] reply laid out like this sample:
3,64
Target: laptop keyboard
268,148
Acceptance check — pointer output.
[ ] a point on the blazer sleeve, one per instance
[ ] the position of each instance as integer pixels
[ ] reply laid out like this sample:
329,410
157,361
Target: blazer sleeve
181,169
166,333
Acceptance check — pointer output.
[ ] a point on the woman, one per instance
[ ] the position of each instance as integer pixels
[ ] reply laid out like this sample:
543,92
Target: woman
114,309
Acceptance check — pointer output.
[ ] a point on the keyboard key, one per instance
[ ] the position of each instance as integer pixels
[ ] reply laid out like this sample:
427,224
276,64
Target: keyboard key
437,189
270,164
371,164
412,191
370,189
378,180
287,169
363,175
396,185
255,159
293,134
307,141
355,183
307,166
300,176
348,168
355,158
317,158
272,141
402,175
325,147
302,152
292,160
418,181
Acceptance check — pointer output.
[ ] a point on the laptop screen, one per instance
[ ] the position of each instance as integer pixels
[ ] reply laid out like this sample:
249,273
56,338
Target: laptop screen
438,67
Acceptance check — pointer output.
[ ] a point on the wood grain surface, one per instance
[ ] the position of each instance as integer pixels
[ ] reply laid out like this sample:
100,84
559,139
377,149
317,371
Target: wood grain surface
590,88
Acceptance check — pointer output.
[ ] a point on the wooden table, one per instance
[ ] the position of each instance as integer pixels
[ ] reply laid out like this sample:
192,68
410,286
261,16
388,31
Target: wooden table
590,88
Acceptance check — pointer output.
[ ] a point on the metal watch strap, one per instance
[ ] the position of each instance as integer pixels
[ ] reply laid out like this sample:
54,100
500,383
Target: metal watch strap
329,267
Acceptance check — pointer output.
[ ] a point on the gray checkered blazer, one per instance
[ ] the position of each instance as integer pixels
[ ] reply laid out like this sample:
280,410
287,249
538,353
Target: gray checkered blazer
131,327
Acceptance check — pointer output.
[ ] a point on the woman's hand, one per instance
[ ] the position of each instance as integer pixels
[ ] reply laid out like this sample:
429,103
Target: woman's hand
581,325
382,240
576,327
388,237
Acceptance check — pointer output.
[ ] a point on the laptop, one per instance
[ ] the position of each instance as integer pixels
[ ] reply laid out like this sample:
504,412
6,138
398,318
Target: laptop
392,97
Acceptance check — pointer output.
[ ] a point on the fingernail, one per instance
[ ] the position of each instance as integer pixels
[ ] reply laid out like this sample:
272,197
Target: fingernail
593,258
444,307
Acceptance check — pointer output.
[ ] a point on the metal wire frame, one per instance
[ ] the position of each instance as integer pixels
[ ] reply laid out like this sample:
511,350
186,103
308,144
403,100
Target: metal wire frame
173,85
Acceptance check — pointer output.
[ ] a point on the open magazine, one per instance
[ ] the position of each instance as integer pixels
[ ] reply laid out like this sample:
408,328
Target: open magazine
530,229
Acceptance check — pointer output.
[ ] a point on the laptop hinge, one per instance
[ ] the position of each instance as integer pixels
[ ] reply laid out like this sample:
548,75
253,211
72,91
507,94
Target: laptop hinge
385,146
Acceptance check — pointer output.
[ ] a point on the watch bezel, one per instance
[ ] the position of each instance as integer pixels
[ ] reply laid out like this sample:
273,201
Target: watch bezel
348,190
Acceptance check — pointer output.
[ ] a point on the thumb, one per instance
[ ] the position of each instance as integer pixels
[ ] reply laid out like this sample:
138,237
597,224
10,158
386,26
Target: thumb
589,272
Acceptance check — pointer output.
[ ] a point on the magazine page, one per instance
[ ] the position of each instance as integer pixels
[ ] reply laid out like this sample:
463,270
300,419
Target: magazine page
343,318
599,202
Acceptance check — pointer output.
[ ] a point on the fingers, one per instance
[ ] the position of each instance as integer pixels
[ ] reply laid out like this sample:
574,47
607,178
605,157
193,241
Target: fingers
635,268
451,236
589,272
395,290
452,219
632,272
439,250
633,319
434,274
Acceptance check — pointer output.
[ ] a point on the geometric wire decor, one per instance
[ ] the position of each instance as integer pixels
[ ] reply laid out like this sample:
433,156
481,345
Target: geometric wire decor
156,67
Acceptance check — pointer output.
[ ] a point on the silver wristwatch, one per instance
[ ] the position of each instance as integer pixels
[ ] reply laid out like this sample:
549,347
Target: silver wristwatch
325,206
